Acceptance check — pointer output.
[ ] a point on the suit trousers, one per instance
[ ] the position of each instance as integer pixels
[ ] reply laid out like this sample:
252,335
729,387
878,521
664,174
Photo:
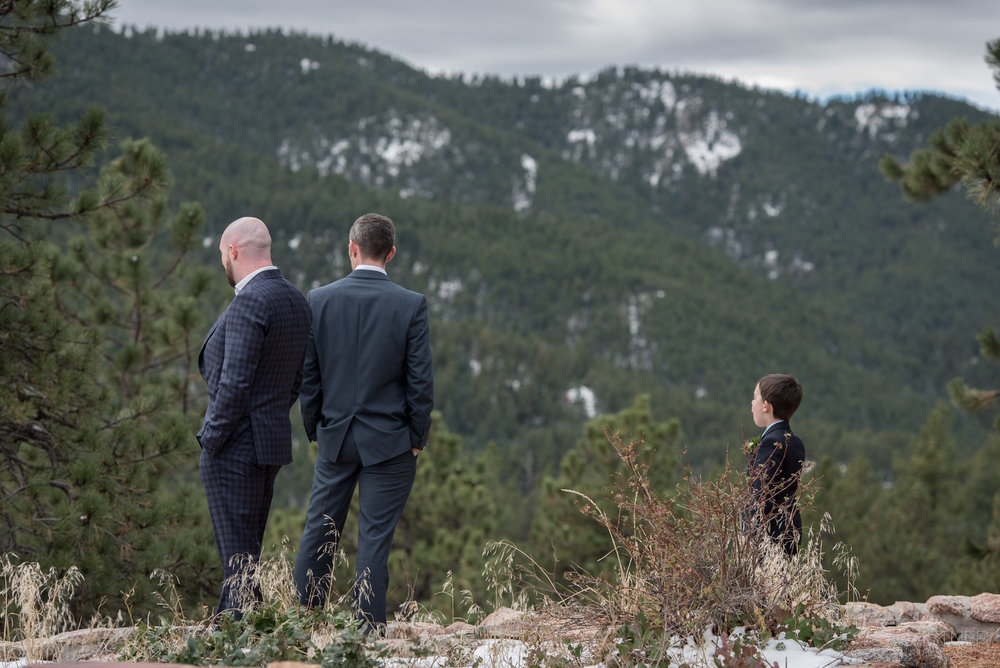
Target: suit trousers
239,498
383,489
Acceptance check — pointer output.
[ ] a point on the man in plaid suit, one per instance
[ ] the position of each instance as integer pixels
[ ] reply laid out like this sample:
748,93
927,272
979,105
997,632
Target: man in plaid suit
251,361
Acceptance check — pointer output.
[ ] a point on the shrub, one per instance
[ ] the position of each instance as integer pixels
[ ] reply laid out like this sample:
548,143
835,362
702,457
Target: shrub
691,561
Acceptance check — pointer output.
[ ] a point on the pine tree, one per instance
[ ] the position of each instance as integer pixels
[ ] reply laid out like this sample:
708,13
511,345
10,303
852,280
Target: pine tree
958,154
97,344
979,570
907,532
560,530
974,400
924,523
853,495
970,156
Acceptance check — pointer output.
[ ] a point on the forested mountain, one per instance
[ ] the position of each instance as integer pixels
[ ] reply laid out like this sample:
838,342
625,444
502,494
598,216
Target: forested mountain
637,231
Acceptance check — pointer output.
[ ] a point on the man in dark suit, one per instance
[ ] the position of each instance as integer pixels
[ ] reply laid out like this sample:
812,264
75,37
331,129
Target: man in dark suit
776,462
251,361
367,395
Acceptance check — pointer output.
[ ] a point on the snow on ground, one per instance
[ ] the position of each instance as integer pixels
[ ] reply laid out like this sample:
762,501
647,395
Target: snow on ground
794,655
510,653
516,654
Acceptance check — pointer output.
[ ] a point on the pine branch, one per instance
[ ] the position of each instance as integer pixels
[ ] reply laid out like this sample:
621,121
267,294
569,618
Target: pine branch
969,399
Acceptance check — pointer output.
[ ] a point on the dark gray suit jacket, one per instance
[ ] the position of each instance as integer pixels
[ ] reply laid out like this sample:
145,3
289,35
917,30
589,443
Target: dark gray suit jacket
251,361
368,367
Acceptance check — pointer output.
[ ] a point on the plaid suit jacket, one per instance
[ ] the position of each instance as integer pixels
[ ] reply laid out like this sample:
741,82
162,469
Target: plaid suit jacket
251,361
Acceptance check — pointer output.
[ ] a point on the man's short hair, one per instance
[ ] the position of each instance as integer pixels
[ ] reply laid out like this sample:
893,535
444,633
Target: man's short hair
375,235
783,392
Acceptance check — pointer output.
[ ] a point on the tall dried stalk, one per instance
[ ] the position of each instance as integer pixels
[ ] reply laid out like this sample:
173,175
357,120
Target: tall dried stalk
34,603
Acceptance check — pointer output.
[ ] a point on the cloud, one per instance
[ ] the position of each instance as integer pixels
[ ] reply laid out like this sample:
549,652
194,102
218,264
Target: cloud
823,48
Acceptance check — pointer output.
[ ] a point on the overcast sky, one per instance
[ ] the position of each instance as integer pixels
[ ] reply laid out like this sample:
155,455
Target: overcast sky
821,47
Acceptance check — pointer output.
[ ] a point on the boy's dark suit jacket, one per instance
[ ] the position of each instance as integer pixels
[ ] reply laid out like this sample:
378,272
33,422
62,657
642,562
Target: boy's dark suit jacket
371,371
252,365
774,469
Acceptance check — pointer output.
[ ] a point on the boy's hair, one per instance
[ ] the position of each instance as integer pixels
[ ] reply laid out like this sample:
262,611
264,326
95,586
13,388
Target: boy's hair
783,392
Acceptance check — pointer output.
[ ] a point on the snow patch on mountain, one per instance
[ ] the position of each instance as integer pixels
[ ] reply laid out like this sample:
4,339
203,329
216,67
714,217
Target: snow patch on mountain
585,135
524,188
877,118
772,209
776,268
447,290
708,146
640,355
663,91
619,121
387,146
718,236
585,397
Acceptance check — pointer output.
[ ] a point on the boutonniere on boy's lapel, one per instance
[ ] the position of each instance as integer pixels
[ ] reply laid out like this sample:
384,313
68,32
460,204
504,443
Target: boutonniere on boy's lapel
750,445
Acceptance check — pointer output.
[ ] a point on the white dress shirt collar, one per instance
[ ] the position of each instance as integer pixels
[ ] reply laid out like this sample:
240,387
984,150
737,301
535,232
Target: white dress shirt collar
371,267
246,279
770,426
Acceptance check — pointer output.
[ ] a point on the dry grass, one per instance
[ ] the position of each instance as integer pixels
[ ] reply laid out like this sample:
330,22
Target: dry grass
684,562
34,603
978,655
268,583
691,560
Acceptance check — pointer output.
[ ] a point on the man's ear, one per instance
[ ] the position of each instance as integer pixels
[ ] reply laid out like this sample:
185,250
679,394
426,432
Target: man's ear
391,255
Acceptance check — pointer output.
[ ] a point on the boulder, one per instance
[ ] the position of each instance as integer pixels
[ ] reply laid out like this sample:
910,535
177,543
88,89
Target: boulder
936,629
985,608
877,656
11,651
863,614
948,606
459,629
410,630
84,643
503,621
909,612
912,644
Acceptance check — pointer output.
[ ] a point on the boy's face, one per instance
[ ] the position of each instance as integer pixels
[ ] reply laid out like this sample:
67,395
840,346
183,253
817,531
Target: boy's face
760,409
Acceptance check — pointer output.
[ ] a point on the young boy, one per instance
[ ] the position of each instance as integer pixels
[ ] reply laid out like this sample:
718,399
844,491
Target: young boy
776,461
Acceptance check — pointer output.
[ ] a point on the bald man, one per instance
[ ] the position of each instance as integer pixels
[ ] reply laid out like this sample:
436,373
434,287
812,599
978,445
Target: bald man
251,361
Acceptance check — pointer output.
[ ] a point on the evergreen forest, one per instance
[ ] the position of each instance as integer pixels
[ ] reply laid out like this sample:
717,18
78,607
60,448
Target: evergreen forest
626,250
